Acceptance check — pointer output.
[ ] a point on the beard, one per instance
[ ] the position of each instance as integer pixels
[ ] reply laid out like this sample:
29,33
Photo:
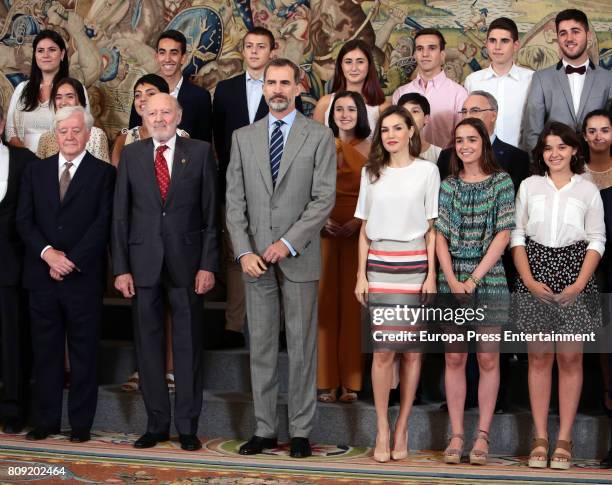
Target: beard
577,55
279,103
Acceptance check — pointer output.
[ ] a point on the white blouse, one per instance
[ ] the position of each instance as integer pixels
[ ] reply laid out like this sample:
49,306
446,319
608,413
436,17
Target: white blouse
28,126
432,154
559,217
400,203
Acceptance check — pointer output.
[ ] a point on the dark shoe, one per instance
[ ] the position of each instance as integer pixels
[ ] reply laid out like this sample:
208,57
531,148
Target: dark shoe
607,461
149,440
232,340
190,442
80,435
257,444
300,448
13,426
41,433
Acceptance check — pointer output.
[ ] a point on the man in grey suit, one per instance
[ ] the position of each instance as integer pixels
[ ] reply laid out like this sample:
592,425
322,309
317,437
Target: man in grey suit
281,183
164,241
569,90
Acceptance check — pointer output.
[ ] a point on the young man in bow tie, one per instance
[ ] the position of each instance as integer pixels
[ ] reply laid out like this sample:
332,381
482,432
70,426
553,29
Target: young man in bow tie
573,87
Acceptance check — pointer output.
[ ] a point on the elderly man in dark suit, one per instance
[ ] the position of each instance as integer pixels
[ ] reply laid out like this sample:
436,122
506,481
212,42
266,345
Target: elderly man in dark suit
164,242
15,345
238,102
171,55
63,217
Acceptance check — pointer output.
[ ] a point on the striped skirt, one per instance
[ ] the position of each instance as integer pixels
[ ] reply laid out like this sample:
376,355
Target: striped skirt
396,272
396,267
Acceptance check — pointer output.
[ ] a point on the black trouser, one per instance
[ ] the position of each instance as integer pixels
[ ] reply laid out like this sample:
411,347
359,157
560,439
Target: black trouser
16,353
58,314
148,316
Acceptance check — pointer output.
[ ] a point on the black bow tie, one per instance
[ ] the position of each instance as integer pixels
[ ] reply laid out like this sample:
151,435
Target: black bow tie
577,70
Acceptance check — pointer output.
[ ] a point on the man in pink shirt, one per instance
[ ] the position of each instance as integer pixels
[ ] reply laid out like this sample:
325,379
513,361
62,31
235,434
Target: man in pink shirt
445,96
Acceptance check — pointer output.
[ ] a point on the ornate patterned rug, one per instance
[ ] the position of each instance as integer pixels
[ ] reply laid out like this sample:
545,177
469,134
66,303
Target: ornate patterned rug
110,458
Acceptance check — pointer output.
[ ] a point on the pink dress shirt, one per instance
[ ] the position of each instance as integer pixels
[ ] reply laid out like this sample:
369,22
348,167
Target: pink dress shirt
446,99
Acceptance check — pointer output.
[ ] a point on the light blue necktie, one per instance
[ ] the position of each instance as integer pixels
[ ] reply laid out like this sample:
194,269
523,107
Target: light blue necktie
276,149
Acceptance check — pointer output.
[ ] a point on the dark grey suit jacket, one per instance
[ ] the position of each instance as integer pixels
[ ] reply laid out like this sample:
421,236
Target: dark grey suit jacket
182,232
550,99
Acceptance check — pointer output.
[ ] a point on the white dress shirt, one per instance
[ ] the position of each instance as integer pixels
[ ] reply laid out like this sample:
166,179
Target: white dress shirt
510,91
177,88
4,170
254,91
61,162
576,83
168,152
559,217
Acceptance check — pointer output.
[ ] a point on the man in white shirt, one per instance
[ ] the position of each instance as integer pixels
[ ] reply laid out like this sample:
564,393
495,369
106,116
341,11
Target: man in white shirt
506,81
569,90
171,55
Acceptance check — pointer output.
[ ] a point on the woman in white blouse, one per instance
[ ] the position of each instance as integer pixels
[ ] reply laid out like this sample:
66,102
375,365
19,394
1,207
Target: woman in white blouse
29,113
557,244
398,202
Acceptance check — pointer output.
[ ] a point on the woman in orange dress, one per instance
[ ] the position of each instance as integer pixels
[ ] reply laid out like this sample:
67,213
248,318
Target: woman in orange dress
339,345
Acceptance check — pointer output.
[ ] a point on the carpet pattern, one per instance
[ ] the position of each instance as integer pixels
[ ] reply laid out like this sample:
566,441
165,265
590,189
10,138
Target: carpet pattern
110,458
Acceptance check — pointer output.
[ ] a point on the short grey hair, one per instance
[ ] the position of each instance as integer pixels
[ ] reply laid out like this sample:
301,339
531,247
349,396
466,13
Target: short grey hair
490,98
67,111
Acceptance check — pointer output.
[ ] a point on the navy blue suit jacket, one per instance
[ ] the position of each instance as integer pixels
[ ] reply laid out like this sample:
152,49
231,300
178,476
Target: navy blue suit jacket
11,247
79,226
197,112
513,160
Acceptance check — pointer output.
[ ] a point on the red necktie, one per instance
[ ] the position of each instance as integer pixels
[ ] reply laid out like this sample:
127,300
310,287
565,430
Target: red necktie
161,171
578,70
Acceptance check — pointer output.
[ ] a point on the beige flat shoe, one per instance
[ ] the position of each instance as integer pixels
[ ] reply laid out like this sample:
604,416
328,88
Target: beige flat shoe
479,457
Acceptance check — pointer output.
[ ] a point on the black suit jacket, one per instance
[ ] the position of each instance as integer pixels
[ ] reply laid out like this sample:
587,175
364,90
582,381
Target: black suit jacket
197,112
11,247
180,232
513,160
79,225
230,112
606,197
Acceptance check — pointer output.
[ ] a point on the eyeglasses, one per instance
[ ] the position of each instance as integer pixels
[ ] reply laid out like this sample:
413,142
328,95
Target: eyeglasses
474,111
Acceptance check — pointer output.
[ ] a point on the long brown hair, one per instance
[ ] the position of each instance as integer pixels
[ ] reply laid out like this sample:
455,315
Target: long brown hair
371,91
488,163
379,157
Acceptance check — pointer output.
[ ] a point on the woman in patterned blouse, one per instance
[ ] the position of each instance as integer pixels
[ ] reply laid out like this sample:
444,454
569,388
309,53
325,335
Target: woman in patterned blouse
70,92
476,215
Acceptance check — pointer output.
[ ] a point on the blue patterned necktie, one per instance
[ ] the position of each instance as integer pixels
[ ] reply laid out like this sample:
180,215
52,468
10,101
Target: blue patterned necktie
276,149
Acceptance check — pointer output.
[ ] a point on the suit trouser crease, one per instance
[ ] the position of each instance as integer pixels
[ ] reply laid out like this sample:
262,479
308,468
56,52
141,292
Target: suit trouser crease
148,315
55,315
263,309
